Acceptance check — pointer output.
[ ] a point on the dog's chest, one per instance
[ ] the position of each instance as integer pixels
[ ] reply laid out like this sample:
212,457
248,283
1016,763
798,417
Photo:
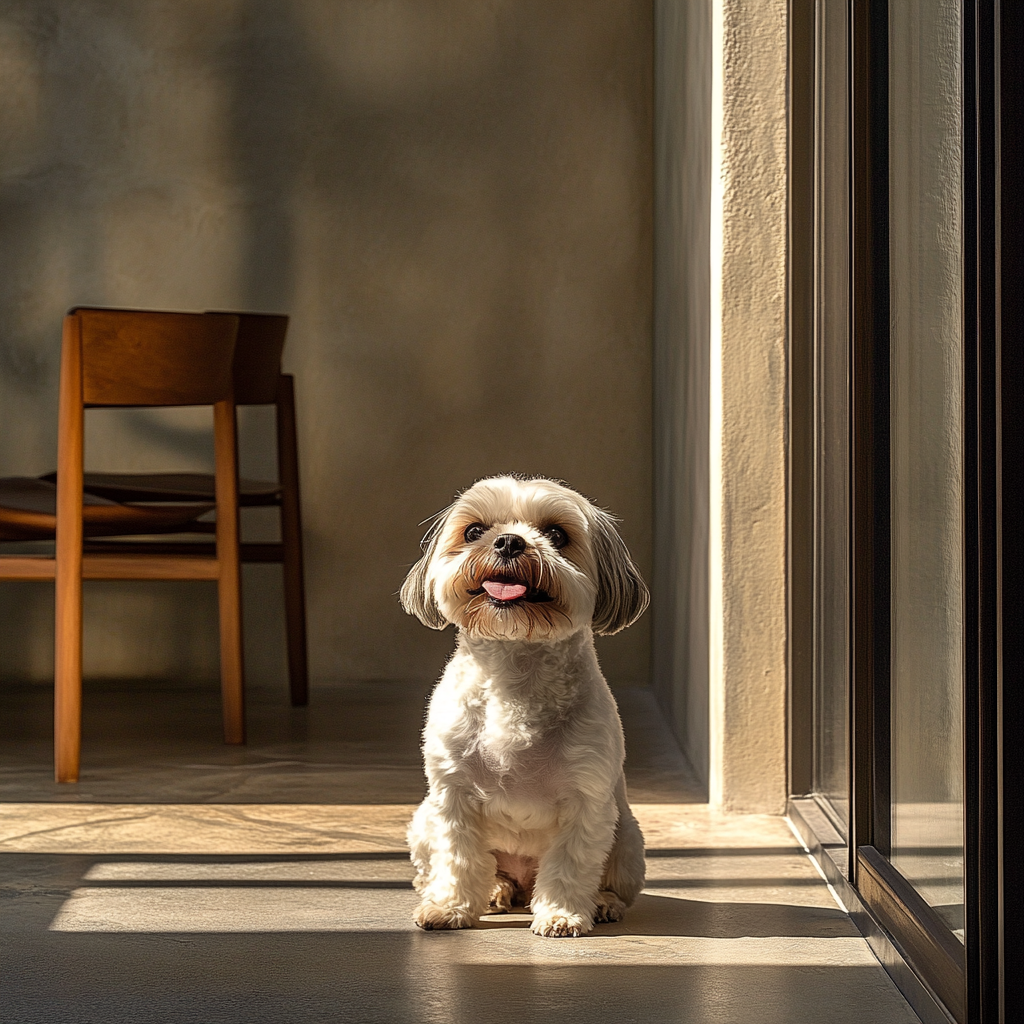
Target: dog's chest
516,747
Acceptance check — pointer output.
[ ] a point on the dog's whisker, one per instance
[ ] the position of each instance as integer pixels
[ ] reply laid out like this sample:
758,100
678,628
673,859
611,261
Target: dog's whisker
542,568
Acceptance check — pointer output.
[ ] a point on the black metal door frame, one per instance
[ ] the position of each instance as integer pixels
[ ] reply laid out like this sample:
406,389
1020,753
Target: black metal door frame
1001,371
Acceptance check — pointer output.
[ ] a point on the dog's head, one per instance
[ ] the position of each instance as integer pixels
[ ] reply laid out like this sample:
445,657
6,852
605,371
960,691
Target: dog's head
526,559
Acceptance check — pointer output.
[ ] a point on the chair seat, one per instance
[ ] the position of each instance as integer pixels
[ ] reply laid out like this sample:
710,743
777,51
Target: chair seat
28,511
174,487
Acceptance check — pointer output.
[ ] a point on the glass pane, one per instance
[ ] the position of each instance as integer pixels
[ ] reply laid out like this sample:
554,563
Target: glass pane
831,416
925,198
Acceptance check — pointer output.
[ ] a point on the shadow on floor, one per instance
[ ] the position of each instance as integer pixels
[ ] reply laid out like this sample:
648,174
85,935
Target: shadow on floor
673,915
393,979
328,939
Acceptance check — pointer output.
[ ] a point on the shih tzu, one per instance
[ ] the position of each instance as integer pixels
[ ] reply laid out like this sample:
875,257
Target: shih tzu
523,744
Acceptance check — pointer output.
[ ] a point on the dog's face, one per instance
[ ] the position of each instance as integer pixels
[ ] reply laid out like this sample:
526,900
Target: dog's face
524,560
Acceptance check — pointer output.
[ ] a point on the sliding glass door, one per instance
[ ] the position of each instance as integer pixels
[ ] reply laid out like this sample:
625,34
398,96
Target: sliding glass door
894,544
907,373
831,470
926,314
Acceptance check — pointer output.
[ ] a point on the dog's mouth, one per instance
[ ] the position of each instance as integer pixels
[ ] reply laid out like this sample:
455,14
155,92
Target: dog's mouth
503,591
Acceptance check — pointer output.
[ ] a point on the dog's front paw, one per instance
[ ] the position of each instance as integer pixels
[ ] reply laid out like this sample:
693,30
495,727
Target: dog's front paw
431,917
609,908
560,924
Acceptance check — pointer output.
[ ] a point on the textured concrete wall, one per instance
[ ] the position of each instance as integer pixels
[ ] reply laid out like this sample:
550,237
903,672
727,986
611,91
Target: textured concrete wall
453,200
720,392
682,146
747,582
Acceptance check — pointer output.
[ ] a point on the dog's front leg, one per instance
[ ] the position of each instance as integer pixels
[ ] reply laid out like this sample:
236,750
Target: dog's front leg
458,883
569,874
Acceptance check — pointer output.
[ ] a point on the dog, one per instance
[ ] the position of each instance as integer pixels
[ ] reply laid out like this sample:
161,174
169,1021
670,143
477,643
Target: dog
523,747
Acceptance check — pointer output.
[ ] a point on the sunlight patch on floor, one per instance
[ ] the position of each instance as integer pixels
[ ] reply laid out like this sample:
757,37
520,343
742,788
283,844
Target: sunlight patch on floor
313,828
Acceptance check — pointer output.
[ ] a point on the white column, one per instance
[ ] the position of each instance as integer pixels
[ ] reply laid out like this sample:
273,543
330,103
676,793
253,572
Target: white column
746,556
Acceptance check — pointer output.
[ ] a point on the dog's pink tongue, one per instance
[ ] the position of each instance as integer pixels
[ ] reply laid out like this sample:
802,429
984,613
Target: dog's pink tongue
504,591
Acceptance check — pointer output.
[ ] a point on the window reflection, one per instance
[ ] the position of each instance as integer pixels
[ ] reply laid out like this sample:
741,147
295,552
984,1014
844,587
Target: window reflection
925,248
831,568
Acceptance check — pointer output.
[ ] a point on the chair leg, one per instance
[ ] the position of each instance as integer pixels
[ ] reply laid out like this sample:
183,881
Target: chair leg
291,538
67,691
295,611
229,583
67,675
232,672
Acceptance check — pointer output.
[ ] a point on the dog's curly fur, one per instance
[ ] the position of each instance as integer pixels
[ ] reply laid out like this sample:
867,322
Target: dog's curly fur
523,745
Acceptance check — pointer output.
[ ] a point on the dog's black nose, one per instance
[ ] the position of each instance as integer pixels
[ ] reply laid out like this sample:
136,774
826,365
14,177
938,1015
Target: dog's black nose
509,545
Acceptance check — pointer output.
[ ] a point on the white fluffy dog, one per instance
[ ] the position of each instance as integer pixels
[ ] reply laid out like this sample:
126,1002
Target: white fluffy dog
523,744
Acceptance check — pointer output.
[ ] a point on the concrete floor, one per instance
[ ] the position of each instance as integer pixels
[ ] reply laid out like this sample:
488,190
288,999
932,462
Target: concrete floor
158,742
182,881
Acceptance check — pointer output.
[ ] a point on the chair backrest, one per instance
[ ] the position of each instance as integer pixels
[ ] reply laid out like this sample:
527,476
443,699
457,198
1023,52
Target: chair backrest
258,350
145,358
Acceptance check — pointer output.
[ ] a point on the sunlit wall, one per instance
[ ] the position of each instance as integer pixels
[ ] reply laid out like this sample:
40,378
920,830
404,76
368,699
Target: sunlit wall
453,202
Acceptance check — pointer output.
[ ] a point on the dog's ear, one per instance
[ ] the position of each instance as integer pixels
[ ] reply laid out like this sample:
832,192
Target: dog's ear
416,596
621,592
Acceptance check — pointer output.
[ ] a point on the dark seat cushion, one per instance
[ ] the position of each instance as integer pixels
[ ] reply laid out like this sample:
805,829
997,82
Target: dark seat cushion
28,511
173,487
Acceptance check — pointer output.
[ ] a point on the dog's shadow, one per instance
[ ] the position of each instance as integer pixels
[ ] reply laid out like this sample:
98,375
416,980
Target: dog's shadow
675,916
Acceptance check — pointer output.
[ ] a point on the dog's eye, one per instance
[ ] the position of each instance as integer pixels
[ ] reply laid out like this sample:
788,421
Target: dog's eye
474,532
558,537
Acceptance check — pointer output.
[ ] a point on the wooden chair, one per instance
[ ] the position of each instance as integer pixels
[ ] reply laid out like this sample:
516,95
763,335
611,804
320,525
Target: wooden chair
129,358
258,380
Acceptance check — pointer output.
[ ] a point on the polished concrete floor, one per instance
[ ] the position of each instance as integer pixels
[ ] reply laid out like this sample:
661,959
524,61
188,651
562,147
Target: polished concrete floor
185,882
157,742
